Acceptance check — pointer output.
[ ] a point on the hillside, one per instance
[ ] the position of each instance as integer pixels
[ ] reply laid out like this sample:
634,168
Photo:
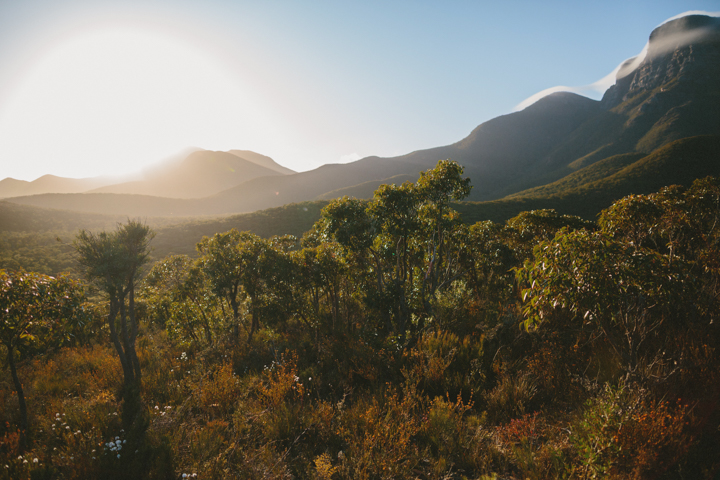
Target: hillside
10,187
595,187
200,174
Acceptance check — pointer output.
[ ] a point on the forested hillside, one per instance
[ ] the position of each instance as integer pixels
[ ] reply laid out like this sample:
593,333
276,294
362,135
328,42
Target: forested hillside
392,340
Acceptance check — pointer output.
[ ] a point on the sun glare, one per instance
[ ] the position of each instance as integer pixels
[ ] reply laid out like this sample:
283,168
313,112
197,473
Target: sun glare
115,101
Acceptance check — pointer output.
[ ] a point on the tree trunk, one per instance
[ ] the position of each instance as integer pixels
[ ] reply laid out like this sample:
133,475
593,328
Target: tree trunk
21,400
128,377
236,318
132,353
255,320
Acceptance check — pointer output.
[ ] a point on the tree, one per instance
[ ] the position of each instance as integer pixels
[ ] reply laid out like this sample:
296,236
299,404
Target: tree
113,262
632,297
223,264
37,312
240,264
402,244
179,296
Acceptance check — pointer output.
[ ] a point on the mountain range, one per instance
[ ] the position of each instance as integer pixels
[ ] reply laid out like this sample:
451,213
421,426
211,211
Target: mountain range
659,124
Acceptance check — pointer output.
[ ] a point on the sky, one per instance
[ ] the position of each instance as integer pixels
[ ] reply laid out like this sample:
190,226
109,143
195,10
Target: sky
109,87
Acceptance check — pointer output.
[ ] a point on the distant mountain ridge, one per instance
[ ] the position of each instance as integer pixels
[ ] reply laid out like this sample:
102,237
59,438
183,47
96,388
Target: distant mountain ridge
10,187
670,95
201,174
193,173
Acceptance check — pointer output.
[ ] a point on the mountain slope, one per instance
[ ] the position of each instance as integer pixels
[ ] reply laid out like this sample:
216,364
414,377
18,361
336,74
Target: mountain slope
200,174
10,187
261,160
678,163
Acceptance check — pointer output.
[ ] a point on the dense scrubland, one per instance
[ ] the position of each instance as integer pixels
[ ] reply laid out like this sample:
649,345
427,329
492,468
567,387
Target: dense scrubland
391,341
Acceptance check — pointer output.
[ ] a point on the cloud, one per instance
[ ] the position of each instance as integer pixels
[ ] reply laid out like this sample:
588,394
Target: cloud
625,68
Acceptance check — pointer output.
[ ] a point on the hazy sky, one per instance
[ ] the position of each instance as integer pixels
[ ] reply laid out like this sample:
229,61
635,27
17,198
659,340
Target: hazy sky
107,87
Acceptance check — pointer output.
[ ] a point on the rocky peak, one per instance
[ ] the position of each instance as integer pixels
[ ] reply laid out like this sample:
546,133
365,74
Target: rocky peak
686,49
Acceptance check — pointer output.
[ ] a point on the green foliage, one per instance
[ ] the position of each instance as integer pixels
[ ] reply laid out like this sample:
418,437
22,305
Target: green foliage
387,345
37,314
178,297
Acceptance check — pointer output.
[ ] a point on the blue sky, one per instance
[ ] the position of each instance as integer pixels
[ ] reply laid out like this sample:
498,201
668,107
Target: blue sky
108,87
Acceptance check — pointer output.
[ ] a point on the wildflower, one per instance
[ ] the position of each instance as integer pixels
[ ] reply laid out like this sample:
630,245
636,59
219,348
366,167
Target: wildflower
35,460
118,455
25,461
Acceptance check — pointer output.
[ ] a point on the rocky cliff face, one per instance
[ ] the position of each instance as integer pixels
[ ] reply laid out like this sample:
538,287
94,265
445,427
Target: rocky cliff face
686,49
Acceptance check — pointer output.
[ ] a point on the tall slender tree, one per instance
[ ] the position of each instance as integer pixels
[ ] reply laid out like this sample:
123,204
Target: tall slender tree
113,262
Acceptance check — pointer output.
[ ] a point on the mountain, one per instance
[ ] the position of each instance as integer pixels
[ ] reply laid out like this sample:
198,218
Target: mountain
668,95
594,187
200,174
10,187
261,160
672,93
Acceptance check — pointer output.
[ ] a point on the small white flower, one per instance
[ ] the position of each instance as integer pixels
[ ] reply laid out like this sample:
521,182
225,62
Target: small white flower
118,455
24,461
35,460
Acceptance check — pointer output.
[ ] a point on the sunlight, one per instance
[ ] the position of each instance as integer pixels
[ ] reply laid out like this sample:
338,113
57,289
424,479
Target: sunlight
114,101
